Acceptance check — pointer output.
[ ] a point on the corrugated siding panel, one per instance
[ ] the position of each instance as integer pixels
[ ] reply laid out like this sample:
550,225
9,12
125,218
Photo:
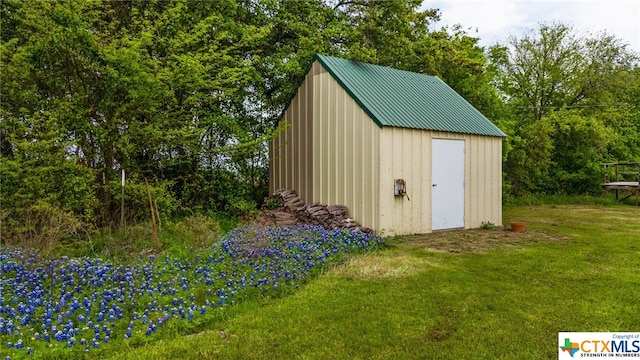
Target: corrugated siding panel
345,153
486,174
406,154
290,154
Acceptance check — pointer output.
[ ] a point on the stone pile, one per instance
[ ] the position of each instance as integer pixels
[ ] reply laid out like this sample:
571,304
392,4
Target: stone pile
285,207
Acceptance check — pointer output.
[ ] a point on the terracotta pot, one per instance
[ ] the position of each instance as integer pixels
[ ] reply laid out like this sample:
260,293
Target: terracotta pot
518,226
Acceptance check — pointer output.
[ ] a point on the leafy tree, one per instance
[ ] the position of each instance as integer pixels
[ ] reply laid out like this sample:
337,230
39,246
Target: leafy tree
183,94
529,159
397,34
542,76
581,145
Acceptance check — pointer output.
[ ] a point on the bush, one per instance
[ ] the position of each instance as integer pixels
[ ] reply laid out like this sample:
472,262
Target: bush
42,226
242,208
197,230
136,200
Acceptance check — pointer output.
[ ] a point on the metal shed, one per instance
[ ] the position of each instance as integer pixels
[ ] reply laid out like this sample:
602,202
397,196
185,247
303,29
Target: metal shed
403,151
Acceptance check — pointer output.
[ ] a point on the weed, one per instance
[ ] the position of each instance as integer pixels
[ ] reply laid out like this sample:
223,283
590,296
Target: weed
273,203
488,225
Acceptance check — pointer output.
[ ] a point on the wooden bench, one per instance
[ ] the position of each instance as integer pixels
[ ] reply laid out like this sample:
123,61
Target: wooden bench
627,178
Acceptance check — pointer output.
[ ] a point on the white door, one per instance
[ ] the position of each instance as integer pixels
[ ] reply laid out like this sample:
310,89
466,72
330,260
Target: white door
447,184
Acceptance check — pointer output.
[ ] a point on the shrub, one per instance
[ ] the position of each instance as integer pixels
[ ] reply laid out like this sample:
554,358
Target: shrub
240,207
199,230
42,226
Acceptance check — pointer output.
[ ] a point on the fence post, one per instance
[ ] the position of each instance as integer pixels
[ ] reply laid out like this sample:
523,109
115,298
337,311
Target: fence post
153,215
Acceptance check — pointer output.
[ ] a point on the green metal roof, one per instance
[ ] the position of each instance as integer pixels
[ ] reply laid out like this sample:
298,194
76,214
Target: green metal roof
406,99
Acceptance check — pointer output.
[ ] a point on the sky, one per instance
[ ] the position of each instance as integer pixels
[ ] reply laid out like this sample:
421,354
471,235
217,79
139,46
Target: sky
495,20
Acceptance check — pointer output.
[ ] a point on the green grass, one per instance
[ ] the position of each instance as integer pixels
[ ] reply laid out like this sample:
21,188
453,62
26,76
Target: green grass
577,268
537,199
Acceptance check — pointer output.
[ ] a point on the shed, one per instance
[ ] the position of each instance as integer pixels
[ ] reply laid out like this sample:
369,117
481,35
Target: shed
403,151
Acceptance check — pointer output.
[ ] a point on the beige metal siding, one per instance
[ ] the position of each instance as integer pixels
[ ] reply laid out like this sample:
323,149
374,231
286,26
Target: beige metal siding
345,152
291,152
492,209
483,181
406,154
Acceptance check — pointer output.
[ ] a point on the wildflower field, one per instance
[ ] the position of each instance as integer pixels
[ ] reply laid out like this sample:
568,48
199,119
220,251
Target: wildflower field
476,294
79,307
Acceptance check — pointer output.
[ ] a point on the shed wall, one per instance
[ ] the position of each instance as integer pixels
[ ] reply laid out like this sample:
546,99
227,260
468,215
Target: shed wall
290,153
406,154
346,152
334,153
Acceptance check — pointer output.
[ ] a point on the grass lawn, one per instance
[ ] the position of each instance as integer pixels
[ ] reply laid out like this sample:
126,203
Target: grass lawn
488,294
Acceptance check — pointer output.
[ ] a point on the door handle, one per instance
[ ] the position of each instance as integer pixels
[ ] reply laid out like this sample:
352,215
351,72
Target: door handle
434,185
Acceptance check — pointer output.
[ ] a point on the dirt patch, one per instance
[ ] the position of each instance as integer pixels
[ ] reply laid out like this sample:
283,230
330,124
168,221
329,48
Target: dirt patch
402,263
476,240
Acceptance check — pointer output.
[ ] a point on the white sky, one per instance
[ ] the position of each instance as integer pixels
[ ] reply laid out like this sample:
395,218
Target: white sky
495,20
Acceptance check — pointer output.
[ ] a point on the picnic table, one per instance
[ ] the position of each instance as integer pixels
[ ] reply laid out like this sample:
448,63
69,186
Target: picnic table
626,178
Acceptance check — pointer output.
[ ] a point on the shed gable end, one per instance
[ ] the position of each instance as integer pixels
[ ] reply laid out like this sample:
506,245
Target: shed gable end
399,98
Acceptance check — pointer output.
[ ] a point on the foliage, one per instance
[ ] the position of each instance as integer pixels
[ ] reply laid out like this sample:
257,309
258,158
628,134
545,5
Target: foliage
132,241
573,106
43,226
529,159
273,203
44,196
581,145
488,225
197,230
184,94
63,307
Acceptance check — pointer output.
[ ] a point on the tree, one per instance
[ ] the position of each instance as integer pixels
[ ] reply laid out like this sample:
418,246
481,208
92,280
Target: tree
544,74
183,94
